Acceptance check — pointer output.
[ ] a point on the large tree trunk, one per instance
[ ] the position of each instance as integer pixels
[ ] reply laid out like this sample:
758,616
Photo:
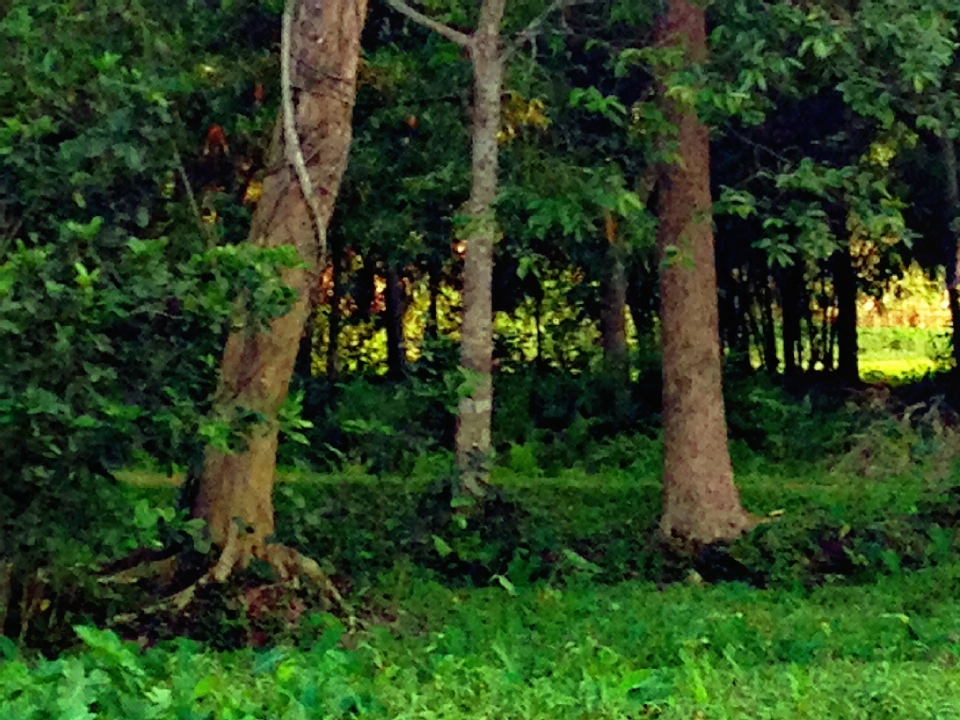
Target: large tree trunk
257,366
613,291
476,333
701,503
951,255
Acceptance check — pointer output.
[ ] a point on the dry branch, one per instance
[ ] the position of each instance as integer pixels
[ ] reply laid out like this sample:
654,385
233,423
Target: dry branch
454,36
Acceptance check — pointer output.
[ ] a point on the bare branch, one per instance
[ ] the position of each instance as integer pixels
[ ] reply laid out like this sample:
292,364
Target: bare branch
530,32
207,229
454,36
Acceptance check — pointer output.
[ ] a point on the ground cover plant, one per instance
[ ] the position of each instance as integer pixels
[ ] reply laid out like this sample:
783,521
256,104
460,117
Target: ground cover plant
479,358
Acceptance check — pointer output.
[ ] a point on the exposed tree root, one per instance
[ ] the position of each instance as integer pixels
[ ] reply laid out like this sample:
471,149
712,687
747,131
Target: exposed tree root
293,570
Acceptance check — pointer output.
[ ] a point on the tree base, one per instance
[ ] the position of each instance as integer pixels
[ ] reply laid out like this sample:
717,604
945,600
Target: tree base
233,590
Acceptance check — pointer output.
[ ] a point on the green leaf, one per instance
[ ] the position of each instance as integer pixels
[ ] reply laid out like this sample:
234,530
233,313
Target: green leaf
441,546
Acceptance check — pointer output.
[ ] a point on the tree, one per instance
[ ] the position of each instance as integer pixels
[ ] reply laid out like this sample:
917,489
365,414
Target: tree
479,235
701,503
322,47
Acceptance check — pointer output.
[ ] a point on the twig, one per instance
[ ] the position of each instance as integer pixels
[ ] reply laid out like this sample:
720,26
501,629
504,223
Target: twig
530,32
205,228
454,36
291,140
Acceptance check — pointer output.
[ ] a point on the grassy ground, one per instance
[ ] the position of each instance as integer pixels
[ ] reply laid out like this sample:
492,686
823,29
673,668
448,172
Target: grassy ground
574,643
631,650
846,605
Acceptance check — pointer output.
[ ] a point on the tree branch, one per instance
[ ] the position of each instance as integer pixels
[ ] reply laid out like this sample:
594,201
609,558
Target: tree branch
291,140
530,32
454,36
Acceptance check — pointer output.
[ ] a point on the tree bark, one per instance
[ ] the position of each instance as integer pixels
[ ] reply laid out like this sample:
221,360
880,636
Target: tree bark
396,351
257,366
613,291
701,503
476,332
951,254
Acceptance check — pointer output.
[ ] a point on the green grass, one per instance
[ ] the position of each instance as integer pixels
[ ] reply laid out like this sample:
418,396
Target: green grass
582,650
599,633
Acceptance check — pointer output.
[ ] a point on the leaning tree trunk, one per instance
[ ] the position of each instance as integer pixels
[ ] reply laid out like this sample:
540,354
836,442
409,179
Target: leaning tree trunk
951,256
701,503
257,365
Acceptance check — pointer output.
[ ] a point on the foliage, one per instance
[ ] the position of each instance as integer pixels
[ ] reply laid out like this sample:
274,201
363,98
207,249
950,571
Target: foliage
884,650
116,286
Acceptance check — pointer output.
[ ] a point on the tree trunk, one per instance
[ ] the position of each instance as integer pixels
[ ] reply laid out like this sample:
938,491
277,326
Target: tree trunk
701,503
434,268
771,362
396,351
951,255
845,286
476,332
336,312
613,291
790,294
256,367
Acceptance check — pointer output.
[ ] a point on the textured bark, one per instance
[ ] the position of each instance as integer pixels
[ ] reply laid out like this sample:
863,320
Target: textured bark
701,503
613,298
476,332
951,255
256,367
396,350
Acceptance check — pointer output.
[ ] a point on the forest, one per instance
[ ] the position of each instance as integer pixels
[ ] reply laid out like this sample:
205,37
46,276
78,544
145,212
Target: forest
507,359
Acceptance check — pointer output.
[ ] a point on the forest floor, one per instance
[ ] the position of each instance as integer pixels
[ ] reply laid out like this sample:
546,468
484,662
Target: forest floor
585,638
846,604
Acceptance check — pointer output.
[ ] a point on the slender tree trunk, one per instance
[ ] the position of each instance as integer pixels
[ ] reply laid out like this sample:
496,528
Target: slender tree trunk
336,313
256,366
845,284
951,255
770,360
790,295
826,303
476,332
433,314
396,351
642,299
613,290
701,503
754,338
538,319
